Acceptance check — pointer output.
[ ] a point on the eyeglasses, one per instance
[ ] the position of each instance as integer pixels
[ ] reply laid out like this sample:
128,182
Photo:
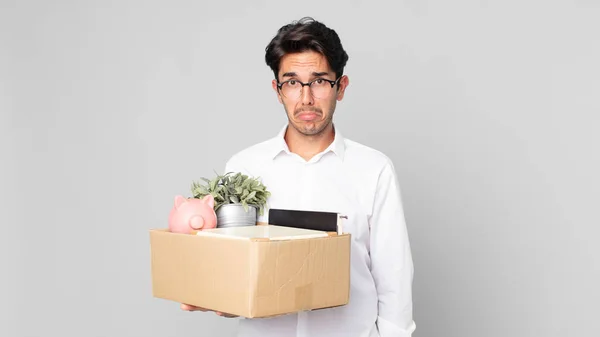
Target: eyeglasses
320,88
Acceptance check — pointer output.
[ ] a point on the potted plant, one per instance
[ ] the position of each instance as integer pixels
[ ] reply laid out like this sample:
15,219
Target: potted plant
238,198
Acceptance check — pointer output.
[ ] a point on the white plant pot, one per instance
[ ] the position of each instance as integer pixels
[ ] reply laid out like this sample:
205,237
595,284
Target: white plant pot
234,215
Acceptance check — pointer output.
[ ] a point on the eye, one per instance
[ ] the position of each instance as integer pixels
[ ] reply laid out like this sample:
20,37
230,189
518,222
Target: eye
292,82
319,81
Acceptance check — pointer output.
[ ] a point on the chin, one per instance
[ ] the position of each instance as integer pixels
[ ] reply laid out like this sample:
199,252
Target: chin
311,131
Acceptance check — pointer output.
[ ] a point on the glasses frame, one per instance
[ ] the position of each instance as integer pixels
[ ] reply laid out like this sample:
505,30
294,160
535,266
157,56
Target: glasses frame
331,82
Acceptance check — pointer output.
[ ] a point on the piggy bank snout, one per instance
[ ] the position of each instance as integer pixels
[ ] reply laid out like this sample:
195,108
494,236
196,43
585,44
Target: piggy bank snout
197,222
188,215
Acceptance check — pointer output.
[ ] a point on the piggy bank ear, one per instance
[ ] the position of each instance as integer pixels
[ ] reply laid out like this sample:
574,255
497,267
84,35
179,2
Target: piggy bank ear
209,200
179,200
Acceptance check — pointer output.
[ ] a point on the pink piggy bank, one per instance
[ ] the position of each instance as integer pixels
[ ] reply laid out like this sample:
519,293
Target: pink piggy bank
192,214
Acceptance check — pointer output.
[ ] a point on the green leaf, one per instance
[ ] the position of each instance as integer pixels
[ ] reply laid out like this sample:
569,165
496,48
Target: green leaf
246,183
250,196
233,187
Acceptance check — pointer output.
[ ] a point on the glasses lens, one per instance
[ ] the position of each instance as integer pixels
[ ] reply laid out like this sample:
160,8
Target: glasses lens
293,89
321,88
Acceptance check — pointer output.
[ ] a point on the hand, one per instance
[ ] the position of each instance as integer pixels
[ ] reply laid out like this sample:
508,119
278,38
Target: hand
188,307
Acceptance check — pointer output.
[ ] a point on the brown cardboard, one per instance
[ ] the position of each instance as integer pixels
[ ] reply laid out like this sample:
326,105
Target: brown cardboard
254,277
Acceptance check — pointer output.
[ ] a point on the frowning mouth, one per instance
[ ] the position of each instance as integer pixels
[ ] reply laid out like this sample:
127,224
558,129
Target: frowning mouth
308,115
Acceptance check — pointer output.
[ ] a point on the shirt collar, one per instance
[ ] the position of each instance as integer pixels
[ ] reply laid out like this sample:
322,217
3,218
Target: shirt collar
337,146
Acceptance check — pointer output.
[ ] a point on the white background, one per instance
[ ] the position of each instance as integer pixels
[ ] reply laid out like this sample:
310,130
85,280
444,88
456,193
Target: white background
489,110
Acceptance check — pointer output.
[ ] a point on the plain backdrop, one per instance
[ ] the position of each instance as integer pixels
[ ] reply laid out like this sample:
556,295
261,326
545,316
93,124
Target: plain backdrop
490,111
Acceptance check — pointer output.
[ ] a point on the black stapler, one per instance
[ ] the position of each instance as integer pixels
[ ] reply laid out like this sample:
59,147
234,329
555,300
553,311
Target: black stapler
316,220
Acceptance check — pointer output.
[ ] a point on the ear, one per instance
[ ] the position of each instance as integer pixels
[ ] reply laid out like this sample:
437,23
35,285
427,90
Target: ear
209,200
179,200
342,85
274,85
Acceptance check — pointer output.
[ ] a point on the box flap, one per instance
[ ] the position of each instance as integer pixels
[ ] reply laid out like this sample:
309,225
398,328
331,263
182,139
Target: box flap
184,268
270,232
296,275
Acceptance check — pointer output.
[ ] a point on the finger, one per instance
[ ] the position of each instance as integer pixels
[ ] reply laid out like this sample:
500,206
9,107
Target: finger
188,307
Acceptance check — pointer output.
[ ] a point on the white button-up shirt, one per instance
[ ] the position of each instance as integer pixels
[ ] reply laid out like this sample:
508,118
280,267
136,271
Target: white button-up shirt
360,182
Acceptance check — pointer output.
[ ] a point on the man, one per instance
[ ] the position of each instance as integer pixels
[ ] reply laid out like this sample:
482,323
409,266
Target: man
309,165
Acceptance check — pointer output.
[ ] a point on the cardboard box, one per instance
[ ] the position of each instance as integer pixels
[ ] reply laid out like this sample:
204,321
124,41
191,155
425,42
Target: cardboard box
259,271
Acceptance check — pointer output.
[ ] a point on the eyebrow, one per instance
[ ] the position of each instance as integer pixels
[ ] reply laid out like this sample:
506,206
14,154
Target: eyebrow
315,74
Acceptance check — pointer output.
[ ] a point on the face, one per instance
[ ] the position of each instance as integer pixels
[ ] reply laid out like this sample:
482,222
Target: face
308,115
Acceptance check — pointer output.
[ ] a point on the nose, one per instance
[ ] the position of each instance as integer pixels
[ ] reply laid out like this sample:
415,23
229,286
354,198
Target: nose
306,95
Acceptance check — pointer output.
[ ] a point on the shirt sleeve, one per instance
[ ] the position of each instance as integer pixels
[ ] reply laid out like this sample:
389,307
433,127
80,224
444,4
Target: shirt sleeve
391,258
235,165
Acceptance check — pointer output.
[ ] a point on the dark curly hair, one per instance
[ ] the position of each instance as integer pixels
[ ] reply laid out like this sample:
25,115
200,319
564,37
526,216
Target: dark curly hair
306,34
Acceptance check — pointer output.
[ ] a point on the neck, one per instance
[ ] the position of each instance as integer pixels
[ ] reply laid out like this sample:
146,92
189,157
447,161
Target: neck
308,146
